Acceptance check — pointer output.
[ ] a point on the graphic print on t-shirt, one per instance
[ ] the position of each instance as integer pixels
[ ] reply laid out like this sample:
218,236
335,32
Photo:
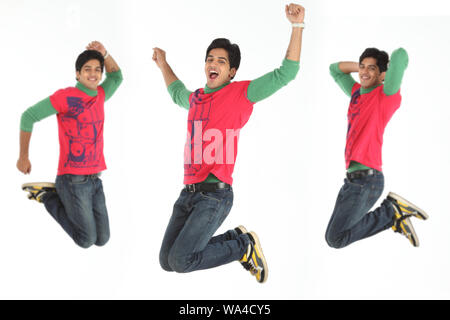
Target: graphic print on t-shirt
83,125
197,121
353,115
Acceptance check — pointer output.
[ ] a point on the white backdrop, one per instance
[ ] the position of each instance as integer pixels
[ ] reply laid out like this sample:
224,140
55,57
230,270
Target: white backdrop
290,164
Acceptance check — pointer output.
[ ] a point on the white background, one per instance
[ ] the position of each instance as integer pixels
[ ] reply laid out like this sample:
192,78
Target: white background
290,164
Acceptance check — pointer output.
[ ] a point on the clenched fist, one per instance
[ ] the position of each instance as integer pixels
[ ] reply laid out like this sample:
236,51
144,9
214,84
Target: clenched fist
295,13
24,165
95,45
159,56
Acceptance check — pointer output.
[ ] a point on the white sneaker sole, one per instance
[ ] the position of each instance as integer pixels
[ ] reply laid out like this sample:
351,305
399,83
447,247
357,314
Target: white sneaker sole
420,213
260,254
38,184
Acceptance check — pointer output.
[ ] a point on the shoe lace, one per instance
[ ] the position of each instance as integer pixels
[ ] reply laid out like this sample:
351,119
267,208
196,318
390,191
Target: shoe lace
250,266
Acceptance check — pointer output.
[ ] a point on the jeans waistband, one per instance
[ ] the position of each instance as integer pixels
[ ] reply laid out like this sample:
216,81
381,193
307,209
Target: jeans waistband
93,175
362,174
206,187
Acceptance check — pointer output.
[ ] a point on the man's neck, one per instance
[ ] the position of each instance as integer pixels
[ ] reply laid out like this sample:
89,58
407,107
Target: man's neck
367,90
89,92
209,90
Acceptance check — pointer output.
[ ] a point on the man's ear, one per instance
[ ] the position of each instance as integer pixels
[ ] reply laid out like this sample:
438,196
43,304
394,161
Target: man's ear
77,75
232,73
382,76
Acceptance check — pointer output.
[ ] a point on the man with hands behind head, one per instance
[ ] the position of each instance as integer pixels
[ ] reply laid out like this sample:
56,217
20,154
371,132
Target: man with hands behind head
217,112
373,102
76,201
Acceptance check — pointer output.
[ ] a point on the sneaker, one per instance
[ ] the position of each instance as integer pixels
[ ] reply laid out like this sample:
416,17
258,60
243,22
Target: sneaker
253,260
403,225
406,207
37,189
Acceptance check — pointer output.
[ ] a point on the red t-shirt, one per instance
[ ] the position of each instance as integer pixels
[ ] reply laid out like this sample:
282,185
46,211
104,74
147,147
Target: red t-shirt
368,115
80,127
214,122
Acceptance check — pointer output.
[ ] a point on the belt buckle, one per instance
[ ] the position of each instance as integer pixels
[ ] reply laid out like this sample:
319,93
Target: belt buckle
353,175
190,188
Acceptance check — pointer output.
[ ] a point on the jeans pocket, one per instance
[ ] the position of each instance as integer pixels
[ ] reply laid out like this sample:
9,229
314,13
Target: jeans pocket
77,179
355,184
211,196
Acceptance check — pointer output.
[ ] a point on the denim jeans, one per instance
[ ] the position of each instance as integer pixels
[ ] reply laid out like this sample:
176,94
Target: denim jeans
79,207
188,243
350,221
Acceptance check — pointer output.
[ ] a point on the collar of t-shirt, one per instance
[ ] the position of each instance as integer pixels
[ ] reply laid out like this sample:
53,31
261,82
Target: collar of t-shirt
89,92
363,91
209,90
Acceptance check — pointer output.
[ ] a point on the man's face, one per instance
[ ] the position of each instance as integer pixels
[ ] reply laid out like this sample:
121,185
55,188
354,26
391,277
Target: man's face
90,74
217,68
369,73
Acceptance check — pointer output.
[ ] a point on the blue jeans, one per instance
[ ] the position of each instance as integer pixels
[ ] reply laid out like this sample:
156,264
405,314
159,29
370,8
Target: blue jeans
188,243
350,221
79,207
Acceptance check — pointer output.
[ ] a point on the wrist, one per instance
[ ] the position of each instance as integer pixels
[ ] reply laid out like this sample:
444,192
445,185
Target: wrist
300,25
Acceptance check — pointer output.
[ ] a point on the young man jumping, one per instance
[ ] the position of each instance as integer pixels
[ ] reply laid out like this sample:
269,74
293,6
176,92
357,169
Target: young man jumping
371,107
216,113
76,201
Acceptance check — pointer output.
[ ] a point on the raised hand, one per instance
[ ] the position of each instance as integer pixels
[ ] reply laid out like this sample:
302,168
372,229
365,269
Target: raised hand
295,13
159,56
96,45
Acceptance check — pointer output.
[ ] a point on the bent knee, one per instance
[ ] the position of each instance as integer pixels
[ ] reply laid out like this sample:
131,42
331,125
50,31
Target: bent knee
178,263
164,263
164,260
102,241
335,243
85,243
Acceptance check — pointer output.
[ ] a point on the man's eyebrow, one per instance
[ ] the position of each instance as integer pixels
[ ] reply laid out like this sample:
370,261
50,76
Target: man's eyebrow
369,65
211,56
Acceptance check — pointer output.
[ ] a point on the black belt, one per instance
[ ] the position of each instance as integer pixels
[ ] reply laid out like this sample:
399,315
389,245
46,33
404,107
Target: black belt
206,187
360,174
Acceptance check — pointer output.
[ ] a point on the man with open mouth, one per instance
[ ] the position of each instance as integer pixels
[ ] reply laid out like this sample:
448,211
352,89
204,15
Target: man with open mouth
76,200
216,113
373,102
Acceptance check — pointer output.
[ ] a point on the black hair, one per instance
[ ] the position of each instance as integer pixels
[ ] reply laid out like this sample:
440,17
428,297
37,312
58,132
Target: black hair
380,56
87,55
234,54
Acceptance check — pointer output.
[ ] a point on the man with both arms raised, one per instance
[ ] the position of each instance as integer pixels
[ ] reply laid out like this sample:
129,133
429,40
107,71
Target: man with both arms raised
220,108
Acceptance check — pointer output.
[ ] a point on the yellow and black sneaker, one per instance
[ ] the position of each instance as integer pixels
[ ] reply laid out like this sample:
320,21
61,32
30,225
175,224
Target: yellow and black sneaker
405,207
253,260
37,189
403,225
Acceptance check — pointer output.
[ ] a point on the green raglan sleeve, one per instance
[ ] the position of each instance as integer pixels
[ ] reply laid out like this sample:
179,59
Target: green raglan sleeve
179,94
39,111
344,80
271,82
111,83
394,74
